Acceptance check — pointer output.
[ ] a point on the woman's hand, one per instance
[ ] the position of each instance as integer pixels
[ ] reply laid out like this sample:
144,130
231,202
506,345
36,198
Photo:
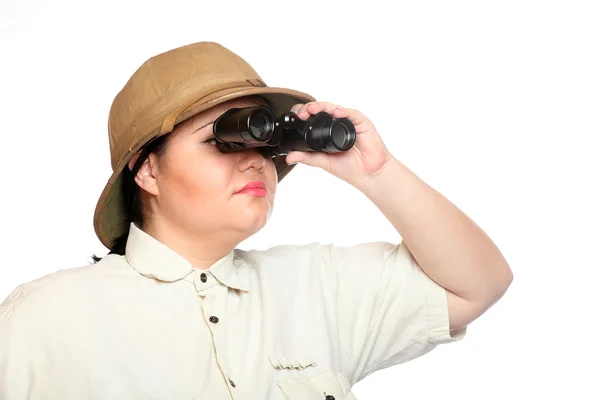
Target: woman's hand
355,166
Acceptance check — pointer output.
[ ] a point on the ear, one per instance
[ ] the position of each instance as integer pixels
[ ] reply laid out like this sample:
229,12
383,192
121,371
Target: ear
146,175
135,157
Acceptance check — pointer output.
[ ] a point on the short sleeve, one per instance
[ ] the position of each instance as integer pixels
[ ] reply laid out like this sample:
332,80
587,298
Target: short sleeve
388,310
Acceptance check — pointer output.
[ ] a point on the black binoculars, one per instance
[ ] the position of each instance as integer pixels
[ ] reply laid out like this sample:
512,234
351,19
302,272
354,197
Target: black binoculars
258,127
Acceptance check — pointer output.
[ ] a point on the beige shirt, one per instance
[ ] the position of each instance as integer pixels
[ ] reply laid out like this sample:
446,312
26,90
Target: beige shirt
291,322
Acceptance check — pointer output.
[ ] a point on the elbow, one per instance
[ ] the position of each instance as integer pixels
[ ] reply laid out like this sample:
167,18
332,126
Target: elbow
500,285
507,279
495,288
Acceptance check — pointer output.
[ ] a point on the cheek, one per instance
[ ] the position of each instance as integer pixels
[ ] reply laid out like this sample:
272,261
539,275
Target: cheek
191,181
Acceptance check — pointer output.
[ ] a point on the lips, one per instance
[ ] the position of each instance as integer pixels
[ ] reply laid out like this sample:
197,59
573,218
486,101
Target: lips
256,188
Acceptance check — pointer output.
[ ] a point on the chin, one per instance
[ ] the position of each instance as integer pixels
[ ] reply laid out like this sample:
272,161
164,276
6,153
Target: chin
254,220
252,216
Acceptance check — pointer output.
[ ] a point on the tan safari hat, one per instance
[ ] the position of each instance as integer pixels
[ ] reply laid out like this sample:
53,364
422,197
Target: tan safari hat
164,91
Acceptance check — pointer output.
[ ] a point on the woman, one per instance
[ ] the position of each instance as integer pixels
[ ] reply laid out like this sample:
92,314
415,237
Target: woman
175,311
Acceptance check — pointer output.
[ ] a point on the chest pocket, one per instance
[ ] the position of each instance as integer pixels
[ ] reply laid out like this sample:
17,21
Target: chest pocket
328,385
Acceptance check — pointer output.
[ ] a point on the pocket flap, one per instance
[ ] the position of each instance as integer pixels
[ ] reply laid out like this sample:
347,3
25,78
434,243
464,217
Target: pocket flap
292,362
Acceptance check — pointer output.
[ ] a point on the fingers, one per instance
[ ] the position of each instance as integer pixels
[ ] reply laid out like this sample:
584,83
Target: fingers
304,111
356,117
296,107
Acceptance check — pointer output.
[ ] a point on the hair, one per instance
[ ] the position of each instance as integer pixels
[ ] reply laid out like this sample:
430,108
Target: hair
132,203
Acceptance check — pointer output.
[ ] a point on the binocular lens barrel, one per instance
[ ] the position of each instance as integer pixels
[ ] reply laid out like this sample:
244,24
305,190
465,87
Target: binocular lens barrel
245,125
322,132
340,136
241,128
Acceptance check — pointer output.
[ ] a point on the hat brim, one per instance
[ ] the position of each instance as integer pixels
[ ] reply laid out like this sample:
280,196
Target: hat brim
110,215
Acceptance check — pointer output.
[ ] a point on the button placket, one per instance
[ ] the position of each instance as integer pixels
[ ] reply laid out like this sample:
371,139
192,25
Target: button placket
210,310
217,323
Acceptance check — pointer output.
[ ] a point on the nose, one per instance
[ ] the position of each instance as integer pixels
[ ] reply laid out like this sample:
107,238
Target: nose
251,159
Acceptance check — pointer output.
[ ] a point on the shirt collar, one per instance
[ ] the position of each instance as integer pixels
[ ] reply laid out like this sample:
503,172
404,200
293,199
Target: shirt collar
154,259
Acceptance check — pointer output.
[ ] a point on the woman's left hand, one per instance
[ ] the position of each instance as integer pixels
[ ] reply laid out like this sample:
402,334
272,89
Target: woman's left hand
355,166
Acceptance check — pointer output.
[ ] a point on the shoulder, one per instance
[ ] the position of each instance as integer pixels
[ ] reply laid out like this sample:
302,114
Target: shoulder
323,253
277,252
280,265
281,256
63,289
316,261
327,252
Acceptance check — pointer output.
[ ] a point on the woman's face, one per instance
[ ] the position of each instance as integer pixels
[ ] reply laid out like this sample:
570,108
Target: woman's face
194,187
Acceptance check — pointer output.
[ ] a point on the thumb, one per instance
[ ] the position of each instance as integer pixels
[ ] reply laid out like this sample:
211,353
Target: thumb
312,158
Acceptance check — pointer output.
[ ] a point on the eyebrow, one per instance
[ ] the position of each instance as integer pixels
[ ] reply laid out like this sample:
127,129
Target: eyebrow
202,127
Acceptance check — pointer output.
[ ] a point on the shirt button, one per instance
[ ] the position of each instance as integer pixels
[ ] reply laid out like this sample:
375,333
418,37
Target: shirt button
213,319
203,277
233,384
329,397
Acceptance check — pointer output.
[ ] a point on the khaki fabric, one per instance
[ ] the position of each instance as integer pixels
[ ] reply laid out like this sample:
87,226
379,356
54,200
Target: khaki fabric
290,322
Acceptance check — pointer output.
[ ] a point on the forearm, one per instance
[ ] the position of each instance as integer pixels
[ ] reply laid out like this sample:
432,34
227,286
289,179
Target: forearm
446,243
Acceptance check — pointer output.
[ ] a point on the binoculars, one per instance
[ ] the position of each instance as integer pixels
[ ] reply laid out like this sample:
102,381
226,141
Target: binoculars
258,127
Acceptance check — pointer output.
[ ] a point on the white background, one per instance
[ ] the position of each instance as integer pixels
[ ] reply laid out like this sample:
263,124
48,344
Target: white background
494,104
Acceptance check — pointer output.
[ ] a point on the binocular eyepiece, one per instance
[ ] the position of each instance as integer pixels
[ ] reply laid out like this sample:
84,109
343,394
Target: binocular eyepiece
258,127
